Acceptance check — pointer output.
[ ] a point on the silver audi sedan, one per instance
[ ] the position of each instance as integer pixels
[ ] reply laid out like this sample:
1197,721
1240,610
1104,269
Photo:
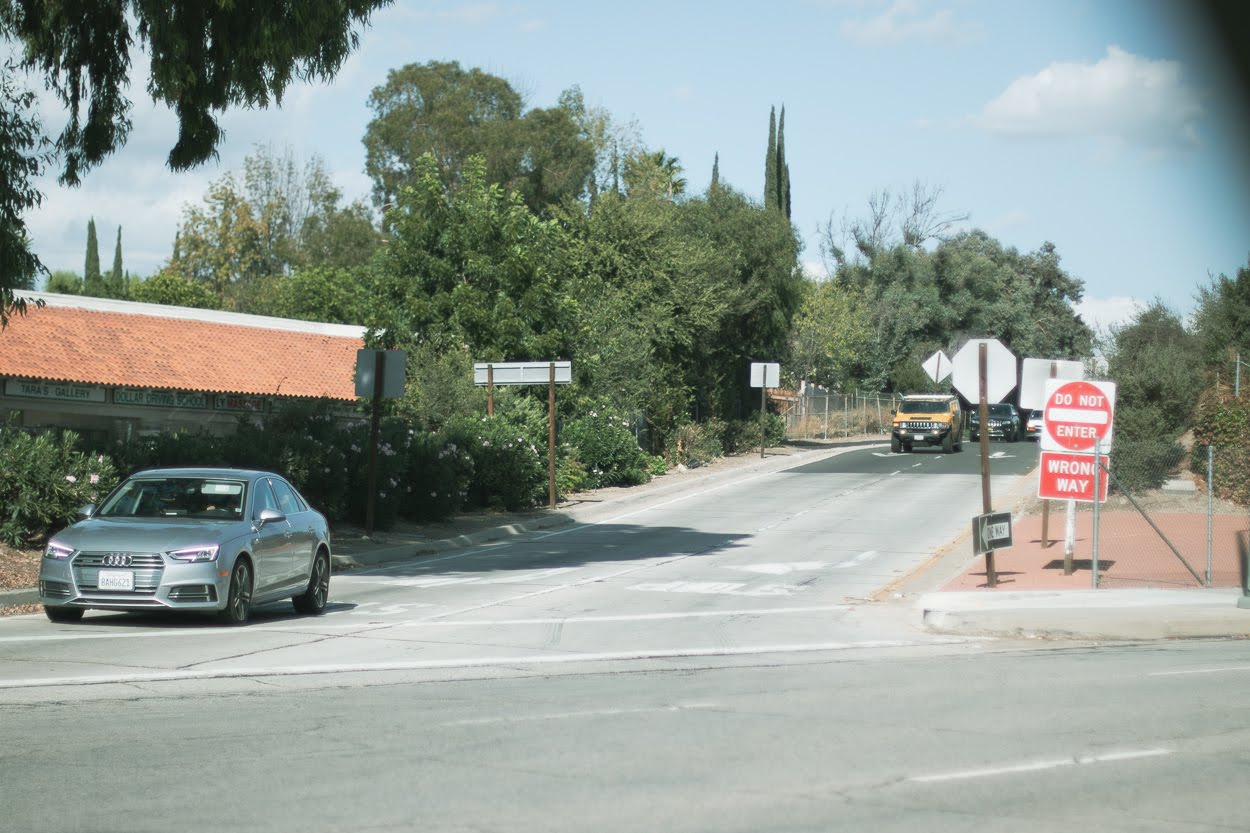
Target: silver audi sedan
209,540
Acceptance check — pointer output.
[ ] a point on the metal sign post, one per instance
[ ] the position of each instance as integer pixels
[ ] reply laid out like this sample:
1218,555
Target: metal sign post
764,375
550,373
987,505
380,375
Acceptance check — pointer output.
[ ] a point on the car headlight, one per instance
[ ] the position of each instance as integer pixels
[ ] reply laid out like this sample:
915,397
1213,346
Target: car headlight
54,550
194,554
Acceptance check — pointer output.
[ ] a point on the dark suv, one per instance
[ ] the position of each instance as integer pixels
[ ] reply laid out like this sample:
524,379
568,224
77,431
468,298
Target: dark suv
1004,422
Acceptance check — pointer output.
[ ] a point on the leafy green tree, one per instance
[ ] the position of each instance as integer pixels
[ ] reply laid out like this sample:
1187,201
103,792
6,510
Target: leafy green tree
174,289
24,155
832,331
439,108
222,243
317,293
470,266
64,282
782,176
1155,363
1222,320
203,59
92,280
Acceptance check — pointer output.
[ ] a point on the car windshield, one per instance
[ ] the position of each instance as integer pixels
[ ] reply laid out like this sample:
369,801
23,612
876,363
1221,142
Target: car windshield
1000,410
922,407
176,497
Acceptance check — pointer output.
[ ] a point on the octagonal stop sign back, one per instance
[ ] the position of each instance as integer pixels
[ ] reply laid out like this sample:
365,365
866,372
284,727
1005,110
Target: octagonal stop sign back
1000,370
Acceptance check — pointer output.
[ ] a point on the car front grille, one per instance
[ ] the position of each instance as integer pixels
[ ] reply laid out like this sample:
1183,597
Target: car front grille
921,425
147,567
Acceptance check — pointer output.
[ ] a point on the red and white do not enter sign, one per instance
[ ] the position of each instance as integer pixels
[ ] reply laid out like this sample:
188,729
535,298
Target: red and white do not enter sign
1077,415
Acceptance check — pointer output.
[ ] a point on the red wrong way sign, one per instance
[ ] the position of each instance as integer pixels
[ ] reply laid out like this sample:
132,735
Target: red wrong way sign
1077,415
1066,476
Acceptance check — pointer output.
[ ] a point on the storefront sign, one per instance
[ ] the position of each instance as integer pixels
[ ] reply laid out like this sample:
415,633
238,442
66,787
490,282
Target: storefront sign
250,404
161,399
53,390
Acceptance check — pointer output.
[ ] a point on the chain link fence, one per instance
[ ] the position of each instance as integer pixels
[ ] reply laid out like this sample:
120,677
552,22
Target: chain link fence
1174,517
832,415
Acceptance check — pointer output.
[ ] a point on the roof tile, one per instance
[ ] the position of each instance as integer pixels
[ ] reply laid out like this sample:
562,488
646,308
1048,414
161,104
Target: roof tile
118,349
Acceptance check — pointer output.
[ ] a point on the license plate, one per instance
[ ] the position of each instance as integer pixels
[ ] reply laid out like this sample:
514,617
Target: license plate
115,580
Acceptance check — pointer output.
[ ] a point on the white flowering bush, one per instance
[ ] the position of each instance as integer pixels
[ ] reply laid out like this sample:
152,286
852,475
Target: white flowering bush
604,445
44,479
509,470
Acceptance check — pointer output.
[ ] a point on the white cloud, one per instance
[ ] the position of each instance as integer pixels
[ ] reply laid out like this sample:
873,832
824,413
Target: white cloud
907,20
1123,97
1103,313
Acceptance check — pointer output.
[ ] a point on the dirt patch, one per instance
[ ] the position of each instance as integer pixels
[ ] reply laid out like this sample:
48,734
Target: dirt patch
19,569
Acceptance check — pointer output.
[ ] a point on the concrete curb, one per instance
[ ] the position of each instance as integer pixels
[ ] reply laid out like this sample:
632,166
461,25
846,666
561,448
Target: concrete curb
1091,615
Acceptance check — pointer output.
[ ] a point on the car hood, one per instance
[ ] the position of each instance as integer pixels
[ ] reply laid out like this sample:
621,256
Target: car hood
147,534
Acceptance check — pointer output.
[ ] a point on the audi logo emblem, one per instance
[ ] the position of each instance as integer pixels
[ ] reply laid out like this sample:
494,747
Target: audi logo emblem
117,559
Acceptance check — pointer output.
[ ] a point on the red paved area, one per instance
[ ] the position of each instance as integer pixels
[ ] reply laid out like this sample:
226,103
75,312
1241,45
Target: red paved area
1130,554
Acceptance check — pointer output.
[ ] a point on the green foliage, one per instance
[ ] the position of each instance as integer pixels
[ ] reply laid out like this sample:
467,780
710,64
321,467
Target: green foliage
24,154
606,449
1155,364
509,472
92,281
44,479
1224,422
174,289
325,294
454,115
439,475
693,444
116,284
1141,465
469,266
1222,320
64,282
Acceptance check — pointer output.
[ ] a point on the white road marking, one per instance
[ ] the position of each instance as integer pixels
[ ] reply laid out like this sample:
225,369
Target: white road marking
778,569
488,721
717,588
862,558
1038,766
445,581
1235,669
481,662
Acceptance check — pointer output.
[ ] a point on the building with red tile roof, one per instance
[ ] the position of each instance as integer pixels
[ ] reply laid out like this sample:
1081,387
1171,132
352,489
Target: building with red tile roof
110,367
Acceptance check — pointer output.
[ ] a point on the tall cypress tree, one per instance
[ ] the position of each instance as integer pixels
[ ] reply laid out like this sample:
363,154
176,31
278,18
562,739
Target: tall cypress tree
770,161
783,167
92,283
117,281
715,174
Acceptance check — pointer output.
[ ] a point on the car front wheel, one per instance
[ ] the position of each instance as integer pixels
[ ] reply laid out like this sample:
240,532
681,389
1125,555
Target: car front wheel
313,600
239,599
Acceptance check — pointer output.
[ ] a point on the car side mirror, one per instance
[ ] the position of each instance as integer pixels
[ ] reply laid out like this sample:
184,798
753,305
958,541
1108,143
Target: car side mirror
85,511
269,516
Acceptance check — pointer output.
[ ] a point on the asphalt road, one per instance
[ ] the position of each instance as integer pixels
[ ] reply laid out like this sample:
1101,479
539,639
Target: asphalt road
701,661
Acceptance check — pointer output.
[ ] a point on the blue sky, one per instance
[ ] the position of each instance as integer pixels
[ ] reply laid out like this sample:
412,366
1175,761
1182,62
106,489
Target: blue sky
1099,125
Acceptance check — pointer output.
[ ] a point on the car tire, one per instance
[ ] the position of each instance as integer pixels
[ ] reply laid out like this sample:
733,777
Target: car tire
63,615
313,600
948,443
895,445
239,597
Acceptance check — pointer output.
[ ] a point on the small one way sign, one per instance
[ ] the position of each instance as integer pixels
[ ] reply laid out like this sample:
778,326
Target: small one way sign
991,531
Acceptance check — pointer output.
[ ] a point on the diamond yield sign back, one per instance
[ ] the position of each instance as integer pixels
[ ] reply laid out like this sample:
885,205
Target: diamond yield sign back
1077,415
1000,370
